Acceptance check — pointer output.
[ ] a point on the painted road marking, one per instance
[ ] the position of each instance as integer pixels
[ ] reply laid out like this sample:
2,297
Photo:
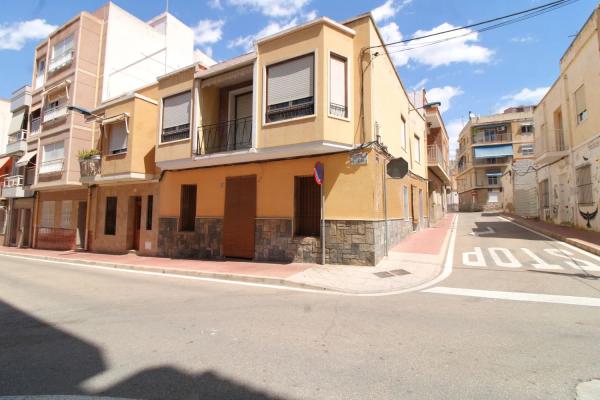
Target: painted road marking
488,231
517,296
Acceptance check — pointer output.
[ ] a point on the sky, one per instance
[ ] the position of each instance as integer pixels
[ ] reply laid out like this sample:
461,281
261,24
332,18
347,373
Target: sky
479,72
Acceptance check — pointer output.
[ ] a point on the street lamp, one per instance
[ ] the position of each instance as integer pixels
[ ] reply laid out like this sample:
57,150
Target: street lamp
428,105
83,111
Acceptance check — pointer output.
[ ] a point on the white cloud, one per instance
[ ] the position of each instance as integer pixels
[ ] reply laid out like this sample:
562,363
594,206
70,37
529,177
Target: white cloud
421,84
443,95
454,127
208,31
273,27
14,36
388,10
522,39
270,8
432,52
525,96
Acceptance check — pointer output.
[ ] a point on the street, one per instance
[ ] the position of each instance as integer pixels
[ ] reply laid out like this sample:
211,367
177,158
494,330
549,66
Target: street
70,329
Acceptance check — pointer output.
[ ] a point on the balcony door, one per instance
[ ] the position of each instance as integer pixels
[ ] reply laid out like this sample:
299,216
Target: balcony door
240,135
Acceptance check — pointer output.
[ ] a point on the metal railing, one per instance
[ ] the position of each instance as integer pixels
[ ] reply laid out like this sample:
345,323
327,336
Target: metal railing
338,110
53,113
175,133
52,167
17,136
491,161
36,124
435,156
481,137
60,60
289,112
90,167
225,136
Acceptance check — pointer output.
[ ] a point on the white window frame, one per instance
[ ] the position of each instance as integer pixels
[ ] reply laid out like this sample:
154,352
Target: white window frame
62,42
110,126
315,91
404,131
530,149
582,116
40,78
417,143
349,86
162,112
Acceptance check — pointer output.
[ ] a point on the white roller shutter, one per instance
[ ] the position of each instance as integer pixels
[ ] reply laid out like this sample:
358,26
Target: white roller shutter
118,138
337,81
16,123
53,151
290,80
176,110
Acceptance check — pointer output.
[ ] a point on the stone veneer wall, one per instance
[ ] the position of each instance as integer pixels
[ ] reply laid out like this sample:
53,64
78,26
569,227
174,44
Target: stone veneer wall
347,242
204,242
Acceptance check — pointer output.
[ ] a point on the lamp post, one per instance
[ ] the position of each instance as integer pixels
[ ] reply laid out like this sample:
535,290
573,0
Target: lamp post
83,111
428,105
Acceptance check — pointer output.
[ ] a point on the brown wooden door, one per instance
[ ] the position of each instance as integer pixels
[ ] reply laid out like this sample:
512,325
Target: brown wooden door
14,226
26,227
137,222
240,216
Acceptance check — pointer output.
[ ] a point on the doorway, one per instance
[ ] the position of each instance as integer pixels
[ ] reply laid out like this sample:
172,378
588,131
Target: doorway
25,227
240,217
81,222
242,115
14,227
135,221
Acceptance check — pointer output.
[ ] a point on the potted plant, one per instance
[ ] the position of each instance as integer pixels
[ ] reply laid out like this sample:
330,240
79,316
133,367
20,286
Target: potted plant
92,154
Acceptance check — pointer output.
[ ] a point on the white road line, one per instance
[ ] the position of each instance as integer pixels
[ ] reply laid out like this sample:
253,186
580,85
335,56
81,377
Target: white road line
570,246
517,296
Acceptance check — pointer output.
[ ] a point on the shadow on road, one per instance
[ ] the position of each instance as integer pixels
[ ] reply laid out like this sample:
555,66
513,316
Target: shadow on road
506,230
37,358
576,275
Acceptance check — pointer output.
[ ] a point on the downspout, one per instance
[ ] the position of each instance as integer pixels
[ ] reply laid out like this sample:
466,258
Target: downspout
385,213
36,211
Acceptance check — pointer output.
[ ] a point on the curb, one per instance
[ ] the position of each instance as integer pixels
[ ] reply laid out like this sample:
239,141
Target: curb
574,242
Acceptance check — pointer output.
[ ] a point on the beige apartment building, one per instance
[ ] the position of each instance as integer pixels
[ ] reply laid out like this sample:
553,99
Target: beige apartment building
238,144
83,63
567,124
490,149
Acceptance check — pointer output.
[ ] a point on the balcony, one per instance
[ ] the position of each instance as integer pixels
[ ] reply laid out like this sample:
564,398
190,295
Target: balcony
53,167
54,113
553,148
36,125
60,61
17,186
175,133
487,138
90,168
17,142
436,161
225,137
20,98
486,162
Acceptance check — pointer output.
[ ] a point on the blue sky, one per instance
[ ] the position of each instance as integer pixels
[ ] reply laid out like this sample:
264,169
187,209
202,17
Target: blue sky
481,72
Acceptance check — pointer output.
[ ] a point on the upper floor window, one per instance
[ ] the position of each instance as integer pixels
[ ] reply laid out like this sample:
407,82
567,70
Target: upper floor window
117,138
62,54
39,73
527,149
526,128
403,132
338,86
583,180
290,89
53,155
417,149
580,106
176,117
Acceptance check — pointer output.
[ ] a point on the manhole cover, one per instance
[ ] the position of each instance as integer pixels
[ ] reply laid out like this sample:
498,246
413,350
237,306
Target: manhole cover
389,274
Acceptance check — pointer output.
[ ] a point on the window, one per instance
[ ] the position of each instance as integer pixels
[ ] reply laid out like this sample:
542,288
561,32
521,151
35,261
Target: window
403,132
62,47
188,208
544,194
290,88
149,209
36,121
47,214
117,138
580,106
307,206
338,86
110,218
2,221
406,205
583,177
526,129
52,158
417,149
39,74
65,214
176,117
492,180
527,149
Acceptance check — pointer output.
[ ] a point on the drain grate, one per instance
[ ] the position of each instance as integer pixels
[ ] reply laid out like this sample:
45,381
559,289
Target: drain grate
390,274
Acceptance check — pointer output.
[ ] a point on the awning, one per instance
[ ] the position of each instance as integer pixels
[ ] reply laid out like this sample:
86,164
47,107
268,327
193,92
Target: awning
502,150
16,123
54,92
493,173
25,158
117,118
3,161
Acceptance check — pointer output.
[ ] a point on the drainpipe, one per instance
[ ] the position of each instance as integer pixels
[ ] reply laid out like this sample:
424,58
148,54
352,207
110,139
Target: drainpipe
322,224
34,223
385,215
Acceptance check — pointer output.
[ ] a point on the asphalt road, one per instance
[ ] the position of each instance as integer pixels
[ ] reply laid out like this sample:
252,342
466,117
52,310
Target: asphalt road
67,329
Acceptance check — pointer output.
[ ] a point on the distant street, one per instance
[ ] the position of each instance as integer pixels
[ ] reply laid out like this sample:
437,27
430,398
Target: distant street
67,329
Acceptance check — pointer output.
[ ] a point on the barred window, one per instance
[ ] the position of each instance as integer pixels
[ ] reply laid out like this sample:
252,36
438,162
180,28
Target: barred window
47,214
544,194
65,214
584,184
307,205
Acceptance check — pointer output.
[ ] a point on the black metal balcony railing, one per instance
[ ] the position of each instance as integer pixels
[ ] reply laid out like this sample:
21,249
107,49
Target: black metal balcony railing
226,136
276,113
175,133
338,110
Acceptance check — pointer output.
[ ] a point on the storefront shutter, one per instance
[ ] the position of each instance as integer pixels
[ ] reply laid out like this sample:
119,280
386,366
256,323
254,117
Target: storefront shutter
290,80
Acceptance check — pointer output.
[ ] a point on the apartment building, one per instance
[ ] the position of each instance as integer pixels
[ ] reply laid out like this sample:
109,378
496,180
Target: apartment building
490,148
438,148
567,122
82,64
5,119
17,184
239,142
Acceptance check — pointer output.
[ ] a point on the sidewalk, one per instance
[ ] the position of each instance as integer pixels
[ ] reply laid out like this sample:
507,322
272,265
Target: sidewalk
586,240
398,272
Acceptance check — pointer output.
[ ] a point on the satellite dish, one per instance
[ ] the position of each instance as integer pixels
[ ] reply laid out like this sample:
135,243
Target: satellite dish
397,168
